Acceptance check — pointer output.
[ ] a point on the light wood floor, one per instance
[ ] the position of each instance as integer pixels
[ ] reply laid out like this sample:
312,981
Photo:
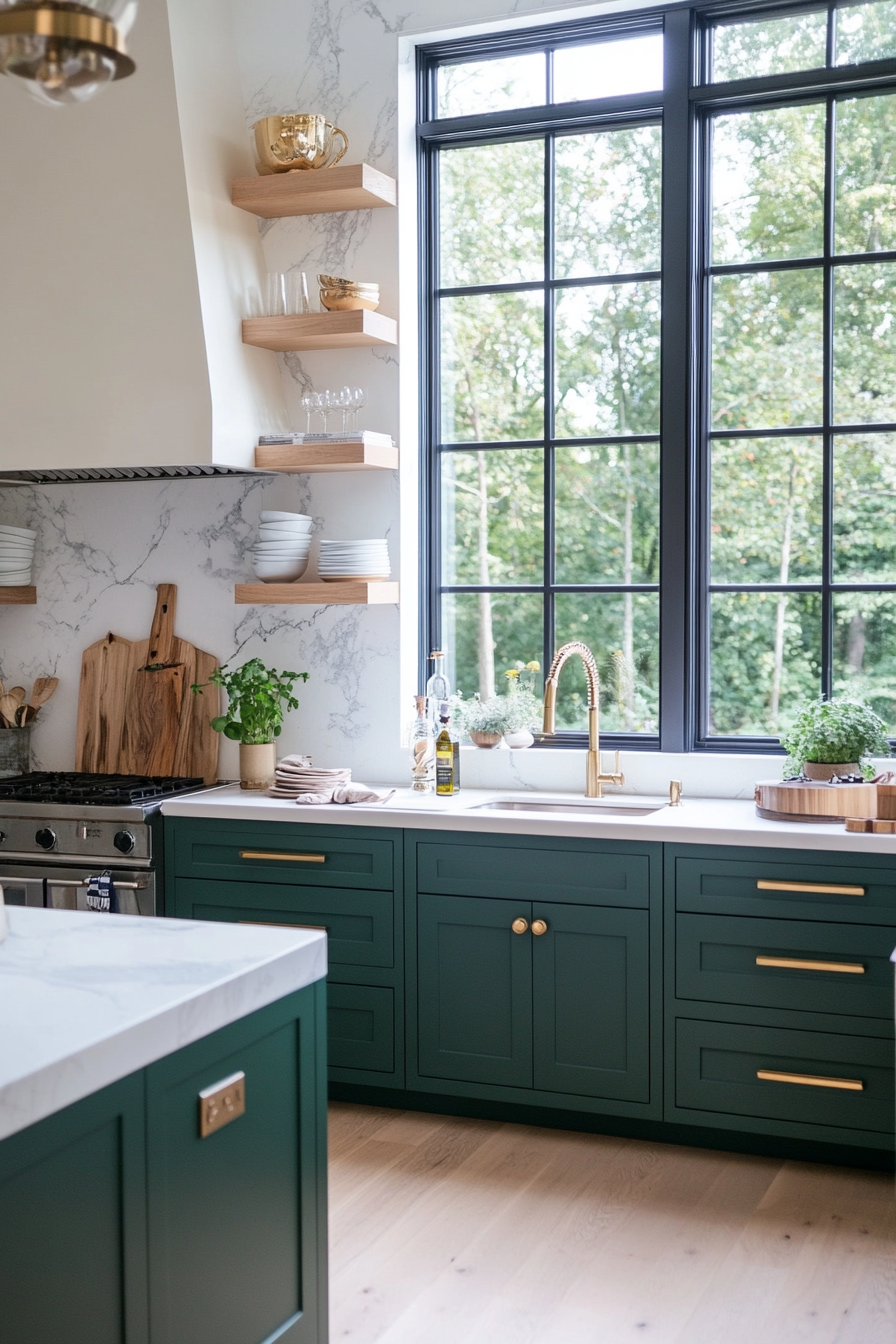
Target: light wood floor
452,1231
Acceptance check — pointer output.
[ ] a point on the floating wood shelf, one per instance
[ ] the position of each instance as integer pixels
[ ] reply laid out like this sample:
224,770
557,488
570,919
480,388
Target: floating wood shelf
316,594
18,597
353,186
287,457
320,331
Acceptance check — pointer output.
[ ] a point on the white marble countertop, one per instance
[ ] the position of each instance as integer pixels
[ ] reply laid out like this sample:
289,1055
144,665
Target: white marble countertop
698,821
86,999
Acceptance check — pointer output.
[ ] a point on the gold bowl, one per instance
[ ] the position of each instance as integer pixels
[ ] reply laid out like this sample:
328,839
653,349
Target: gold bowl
339,301
297,141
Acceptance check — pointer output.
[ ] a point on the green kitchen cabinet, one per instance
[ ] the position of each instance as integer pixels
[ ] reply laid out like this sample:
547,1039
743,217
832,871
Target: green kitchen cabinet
533,998
343,879
119,1224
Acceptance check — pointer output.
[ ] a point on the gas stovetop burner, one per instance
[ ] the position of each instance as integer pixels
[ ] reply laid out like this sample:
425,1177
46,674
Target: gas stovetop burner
83,790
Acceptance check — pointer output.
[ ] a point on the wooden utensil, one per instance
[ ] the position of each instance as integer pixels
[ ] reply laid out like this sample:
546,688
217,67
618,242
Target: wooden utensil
8,706
18,693
25,714
155,697
108,671
42,689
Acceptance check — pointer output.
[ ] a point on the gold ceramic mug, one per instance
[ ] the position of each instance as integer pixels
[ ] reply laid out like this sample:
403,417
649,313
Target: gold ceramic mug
296,140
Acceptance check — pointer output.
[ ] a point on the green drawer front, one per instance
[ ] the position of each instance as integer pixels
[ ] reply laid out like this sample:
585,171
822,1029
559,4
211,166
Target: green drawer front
716,961
361,1027
301,860
533,874
731,887
358,923
717,1066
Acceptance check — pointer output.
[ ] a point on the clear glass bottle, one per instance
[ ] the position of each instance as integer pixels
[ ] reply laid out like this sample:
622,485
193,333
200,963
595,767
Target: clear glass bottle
423,749
447,756
438,688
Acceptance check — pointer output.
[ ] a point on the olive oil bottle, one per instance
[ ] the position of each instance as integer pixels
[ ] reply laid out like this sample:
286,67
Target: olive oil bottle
447,756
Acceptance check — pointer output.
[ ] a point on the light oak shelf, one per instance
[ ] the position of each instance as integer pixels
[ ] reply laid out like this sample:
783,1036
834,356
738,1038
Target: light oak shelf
357,594
320,331
18,597
287,457
321,191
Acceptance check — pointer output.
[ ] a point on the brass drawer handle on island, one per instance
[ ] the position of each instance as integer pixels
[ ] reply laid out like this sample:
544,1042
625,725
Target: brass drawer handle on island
221,1103
810,1080
520,925
816,888
282,858
539,927
794,964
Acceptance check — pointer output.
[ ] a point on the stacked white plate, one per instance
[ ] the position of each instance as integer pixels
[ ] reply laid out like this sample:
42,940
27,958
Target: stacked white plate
291,780
16,555
340,561
280,555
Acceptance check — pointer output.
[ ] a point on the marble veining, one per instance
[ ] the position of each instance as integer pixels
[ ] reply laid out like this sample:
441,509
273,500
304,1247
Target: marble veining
86,999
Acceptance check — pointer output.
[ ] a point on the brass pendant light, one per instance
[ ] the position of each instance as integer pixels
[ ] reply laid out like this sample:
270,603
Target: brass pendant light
65,52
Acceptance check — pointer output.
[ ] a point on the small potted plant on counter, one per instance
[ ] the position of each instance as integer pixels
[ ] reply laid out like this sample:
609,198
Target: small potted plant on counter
834,737
480,720
257,697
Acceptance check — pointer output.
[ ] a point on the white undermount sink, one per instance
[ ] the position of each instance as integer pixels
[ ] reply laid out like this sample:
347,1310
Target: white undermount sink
593,807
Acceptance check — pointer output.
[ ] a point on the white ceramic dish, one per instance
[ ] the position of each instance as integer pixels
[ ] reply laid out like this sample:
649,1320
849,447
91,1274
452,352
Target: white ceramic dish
353,578
21,558
12,566
22,580
296,525
276,516
7,530
276,548
279,572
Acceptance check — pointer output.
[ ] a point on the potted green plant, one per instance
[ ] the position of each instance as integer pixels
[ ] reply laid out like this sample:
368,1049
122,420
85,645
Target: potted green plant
257,697
834,737
480,720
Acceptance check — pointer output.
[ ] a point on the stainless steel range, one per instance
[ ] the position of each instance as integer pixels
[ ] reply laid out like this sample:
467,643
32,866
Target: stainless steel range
58,830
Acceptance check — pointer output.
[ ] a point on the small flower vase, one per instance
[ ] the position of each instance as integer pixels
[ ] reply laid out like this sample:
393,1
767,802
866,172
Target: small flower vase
257,763
486,740
519,740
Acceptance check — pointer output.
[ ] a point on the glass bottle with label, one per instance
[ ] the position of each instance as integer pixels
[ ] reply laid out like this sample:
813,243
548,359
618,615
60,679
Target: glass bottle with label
438,688
423,749
447,756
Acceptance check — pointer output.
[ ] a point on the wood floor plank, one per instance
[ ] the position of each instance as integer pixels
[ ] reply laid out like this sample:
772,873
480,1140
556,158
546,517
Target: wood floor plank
453,1231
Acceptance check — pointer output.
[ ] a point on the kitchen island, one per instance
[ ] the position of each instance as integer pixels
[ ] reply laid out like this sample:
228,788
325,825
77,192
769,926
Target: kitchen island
162,1131
694,974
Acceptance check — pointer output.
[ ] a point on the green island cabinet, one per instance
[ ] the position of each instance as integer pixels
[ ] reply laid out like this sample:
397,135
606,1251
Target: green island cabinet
728,996
138,1231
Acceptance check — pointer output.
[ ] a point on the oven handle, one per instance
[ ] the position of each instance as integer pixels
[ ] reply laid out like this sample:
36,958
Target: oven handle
84,882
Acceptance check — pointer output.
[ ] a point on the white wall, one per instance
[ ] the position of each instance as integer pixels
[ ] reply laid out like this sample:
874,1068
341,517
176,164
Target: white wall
102,548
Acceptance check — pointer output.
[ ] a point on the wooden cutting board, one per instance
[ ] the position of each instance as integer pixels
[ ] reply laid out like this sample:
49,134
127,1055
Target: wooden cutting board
790,800
136,712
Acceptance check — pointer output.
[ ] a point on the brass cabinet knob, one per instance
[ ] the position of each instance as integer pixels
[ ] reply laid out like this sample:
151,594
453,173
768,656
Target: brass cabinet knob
520,925
539,927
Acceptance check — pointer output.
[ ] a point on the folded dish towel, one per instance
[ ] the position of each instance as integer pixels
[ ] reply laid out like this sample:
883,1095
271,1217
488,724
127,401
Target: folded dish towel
346,793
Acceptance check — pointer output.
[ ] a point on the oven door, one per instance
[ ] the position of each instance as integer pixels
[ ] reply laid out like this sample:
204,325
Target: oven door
21,885
67,888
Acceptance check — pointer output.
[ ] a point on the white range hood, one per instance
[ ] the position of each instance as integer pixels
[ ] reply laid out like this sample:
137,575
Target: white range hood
126,270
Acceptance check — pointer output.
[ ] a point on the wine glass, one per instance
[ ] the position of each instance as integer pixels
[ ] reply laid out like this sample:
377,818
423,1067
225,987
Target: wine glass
359,400
308,408
344,402
316,406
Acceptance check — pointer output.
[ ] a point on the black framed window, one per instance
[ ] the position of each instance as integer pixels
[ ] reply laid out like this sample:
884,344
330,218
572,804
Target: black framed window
659,307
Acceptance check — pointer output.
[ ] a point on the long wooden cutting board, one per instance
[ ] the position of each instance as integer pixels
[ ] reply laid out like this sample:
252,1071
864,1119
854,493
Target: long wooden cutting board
136,712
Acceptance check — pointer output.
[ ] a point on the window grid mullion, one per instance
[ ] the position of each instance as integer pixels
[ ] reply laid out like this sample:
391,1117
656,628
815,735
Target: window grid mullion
827,486
549,408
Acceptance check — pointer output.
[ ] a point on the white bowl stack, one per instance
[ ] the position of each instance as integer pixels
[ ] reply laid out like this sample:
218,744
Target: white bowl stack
16,555
280,555
341,561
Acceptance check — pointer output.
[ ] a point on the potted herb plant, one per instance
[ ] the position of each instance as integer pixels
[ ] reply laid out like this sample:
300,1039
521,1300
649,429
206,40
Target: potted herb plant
257,697
834,737
480,720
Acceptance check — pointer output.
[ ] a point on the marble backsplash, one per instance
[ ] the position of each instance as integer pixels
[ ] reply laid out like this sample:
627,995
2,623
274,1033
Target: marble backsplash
101,551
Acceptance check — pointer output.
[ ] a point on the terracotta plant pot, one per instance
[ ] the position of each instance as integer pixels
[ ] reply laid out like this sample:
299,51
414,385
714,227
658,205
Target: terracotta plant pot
485,739
821,770
257,765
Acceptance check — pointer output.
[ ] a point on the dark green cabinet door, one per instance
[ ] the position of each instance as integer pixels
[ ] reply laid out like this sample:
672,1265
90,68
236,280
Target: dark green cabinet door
72,1224
591,1001
235,1221
474,990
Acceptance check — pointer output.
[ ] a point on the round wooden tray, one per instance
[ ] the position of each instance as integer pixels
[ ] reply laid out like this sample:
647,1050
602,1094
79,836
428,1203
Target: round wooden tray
790,800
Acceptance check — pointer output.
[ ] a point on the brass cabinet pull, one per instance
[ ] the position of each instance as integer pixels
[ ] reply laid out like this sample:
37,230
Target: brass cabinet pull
520,925
809,1080
221,1103
273,924
287,858
539,927
793,964
819,888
